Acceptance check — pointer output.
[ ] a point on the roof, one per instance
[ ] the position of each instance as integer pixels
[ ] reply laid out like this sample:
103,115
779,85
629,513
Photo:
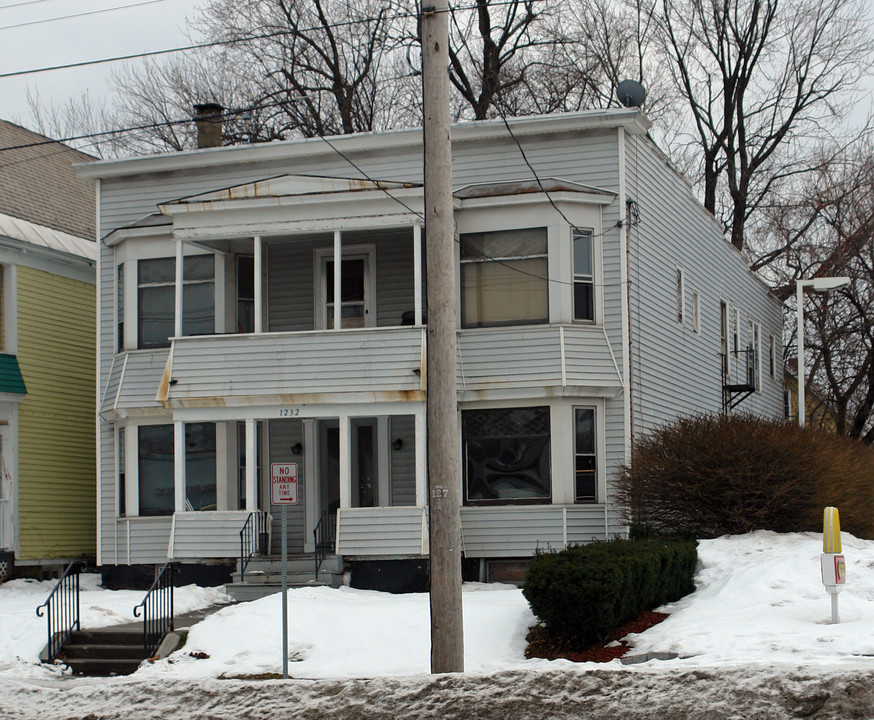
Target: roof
10,376
632,120
38,183
14,228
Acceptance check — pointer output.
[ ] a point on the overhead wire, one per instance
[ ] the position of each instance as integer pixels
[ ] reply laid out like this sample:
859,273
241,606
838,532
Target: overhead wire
81,14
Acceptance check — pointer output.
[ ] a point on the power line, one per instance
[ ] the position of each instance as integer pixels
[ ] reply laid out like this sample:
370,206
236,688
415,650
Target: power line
220,43
81,14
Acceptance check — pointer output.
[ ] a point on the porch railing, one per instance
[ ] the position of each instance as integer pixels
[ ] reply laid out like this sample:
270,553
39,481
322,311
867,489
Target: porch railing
61,609
324,538
253,539
157,607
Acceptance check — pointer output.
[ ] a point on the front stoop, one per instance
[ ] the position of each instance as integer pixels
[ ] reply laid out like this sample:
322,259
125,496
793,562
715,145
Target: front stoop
264,576
103,652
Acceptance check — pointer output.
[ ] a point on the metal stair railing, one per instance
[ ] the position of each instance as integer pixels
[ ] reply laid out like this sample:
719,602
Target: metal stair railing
324,538
62,609
157,607
253,539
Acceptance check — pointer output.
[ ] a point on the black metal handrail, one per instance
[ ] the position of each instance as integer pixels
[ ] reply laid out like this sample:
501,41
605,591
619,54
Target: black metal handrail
253,539
62,609
157,608
324,537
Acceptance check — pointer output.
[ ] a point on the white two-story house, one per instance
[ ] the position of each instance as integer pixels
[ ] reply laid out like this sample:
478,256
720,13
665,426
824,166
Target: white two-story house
265,304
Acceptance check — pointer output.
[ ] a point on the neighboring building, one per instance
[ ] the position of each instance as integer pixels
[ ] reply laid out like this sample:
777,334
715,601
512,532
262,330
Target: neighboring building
818,411
47,351
595,302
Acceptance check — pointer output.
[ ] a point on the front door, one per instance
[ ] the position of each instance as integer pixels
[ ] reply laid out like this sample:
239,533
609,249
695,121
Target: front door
363,463
356,292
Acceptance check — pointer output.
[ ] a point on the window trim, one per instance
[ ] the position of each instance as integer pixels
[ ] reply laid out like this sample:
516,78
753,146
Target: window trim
680,309
696,312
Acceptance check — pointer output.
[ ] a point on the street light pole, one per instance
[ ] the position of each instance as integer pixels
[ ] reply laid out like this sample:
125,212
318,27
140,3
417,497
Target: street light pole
820,284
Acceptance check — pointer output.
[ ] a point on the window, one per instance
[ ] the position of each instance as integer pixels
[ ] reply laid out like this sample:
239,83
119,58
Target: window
504,278
735,332
245,294
584,278
155,449
723,336
506,455
157,302
121,473
200,486
353,297
696,311
585,465
681,296
756,347
772,357
787,404
119,308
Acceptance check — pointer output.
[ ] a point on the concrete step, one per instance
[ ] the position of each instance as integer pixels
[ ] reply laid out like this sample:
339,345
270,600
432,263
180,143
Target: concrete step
245,592
103,651
294,578
106,636
103,667
296,563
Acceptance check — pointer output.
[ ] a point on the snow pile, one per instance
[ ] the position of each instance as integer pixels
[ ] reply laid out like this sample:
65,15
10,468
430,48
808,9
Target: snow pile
351,633
23,635
760,598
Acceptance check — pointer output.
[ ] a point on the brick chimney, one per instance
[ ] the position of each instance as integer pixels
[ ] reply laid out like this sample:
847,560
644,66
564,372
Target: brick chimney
209,119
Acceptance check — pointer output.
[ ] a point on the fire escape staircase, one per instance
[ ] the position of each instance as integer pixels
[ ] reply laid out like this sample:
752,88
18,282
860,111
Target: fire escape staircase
739,376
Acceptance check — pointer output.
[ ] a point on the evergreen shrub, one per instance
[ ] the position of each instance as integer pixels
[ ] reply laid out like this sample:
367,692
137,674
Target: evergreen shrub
586,592
713,475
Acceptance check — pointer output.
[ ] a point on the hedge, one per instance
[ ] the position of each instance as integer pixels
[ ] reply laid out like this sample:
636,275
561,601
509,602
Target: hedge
586,592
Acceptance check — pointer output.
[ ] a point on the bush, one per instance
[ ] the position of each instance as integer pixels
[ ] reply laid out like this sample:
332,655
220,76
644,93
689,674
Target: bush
718,474
587,591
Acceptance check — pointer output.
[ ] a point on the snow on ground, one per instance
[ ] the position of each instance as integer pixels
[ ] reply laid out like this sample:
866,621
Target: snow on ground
23,634
754,640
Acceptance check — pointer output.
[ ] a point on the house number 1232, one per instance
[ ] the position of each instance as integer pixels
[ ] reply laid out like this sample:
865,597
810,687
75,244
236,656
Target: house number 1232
289,412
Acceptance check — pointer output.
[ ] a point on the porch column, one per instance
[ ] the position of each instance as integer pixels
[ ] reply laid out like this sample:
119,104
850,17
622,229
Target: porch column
338,261
180,279
179,465
417,273
421,458
259,300
345,463
311,486
251,466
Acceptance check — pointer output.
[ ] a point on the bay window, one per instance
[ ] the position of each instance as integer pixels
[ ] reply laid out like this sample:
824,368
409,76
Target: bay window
584,277
585,456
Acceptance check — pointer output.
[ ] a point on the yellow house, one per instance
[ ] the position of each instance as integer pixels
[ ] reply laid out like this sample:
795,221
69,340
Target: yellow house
818,413
47,352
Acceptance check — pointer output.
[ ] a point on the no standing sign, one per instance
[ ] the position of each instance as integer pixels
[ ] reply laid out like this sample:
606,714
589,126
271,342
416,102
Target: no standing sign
283,477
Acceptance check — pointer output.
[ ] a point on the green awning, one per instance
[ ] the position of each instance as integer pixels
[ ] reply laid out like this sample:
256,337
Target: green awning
10,376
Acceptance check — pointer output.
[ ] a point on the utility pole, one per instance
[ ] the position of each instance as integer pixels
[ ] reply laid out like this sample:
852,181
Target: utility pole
447,637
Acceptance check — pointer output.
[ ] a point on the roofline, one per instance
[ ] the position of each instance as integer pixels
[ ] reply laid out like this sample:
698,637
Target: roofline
632,120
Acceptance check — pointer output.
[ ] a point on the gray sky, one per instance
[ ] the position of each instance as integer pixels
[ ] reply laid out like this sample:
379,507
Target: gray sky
158,25
140,28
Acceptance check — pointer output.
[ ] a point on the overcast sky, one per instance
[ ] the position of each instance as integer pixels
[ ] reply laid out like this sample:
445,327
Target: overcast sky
137,28
31,37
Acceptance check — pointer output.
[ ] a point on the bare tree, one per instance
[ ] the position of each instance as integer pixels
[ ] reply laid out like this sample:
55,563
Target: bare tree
826,228
760,79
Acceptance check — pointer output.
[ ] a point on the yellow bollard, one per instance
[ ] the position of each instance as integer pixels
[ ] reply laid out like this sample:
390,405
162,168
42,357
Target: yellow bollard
831,531
832,563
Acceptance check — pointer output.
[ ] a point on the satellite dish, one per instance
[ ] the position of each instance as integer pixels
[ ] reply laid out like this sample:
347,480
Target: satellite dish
631,93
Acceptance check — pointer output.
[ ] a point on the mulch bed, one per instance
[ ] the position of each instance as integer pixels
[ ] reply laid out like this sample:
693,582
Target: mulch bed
544,644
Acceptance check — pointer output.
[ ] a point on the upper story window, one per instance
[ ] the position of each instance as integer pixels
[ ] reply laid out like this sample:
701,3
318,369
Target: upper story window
119,307
504,278
696,311
681,296
585,456
584,276
156,281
